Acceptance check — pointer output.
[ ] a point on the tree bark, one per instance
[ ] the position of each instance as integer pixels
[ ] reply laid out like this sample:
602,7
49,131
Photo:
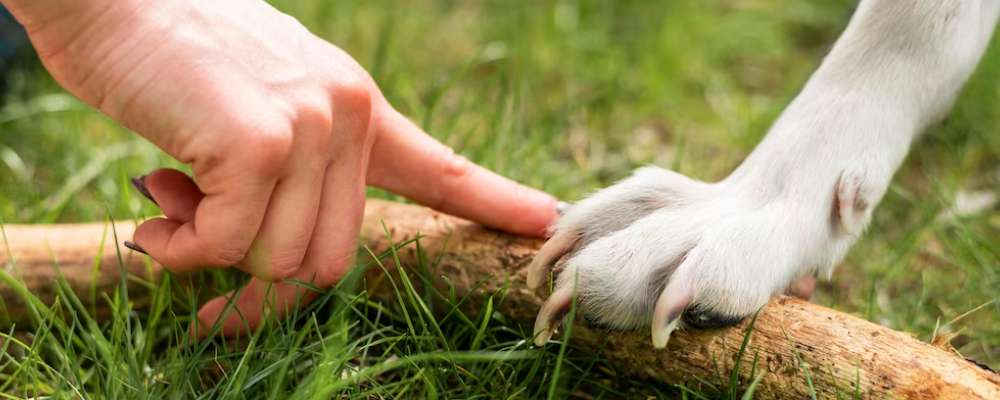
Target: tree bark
791,338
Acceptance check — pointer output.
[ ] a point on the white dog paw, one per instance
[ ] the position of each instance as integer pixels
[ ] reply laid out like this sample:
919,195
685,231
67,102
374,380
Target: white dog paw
856,194
664,251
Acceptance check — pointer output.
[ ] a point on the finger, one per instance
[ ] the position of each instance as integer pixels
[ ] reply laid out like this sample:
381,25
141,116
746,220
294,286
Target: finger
256,302
342,205
223,226
173,191
334,237
668,311
176,195
281,243
329,255
284,235
407,161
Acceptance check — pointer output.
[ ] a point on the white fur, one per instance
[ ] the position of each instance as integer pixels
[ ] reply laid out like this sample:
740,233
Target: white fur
799,201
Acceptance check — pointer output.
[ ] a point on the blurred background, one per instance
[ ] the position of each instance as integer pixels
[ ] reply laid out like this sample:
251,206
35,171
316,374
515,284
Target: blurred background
569,96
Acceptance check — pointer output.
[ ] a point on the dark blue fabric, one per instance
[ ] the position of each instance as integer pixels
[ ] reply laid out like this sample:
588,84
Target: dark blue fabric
11,36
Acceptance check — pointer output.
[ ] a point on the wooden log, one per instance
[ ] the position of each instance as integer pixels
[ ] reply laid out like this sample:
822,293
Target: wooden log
790,336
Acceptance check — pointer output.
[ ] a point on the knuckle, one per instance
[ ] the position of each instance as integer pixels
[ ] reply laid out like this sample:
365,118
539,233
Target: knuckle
273,263
453,170
313,125
258,142
353,100
292,22
355,89
260,145
454,166
225,256
269,151
313,114
283,266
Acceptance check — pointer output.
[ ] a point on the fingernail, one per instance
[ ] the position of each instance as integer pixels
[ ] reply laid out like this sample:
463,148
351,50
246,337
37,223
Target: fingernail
140,185
135,247
562,207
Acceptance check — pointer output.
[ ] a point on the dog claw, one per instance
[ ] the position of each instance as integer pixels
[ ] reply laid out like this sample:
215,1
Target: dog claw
552,250
551,315
667,315
661,335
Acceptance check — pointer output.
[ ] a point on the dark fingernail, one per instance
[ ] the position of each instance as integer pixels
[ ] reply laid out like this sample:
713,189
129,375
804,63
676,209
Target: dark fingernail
562,207
140,185
135,247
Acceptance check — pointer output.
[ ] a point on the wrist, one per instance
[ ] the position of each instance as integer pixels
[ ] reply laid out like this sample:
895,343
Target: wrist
34,14
75,39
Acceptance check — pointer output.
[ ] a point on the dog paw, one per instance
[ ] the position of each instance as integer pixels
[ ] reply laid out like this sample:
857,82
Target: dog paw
664,251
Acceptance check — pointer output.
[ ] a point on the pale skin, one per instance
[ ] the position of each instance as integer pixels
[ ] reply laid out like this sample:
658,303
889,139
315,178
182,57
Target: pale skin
283,131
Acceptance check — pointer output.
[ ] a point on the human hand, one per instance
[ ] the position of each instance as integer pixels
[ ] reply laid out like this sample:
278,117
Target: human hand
283,131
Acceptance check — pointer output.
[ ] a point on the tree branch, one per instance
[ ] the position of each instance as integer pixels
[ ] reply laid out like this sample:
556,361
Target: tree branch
789,337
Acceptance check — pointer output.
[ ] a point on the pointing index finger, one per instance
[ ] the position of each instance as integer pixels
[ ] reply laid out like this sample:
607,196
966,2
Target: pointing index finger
407,161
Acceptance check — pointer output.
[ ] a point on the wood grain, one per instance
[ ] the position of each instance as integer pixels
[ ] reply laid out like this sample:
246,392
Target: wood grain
789,336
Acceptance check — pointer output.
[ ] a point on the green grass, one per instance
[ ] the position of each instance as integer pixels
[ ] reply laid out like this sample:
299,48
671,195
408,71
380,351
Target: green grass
567,96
